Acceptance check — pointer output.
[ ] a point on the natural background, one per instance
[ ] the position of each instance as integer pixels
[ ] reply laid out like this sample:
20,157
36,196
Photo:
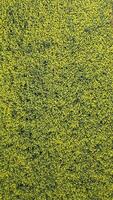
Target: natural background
56,100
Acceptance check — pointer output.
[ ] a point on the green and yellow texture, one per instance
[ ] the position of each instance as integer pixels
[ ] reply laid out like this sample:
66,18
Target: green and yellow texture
56,100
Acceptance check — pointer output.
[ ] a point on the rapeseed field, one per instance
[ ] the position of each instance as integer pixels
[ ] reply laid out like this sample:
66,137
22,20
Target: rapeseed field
56,100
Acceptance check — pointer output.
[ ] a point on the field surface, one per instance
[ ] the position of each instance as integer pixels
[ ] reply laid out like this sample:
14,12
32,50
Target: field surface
56,100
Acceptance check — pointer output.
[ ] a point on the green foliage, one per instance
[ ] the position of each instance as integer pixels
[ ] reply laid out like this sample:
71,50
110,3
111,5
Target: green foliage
56,100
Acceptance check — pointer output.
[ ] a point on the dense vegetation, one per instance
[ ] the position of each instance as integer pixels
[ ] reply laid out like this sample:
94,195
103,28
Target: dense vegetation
56,100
